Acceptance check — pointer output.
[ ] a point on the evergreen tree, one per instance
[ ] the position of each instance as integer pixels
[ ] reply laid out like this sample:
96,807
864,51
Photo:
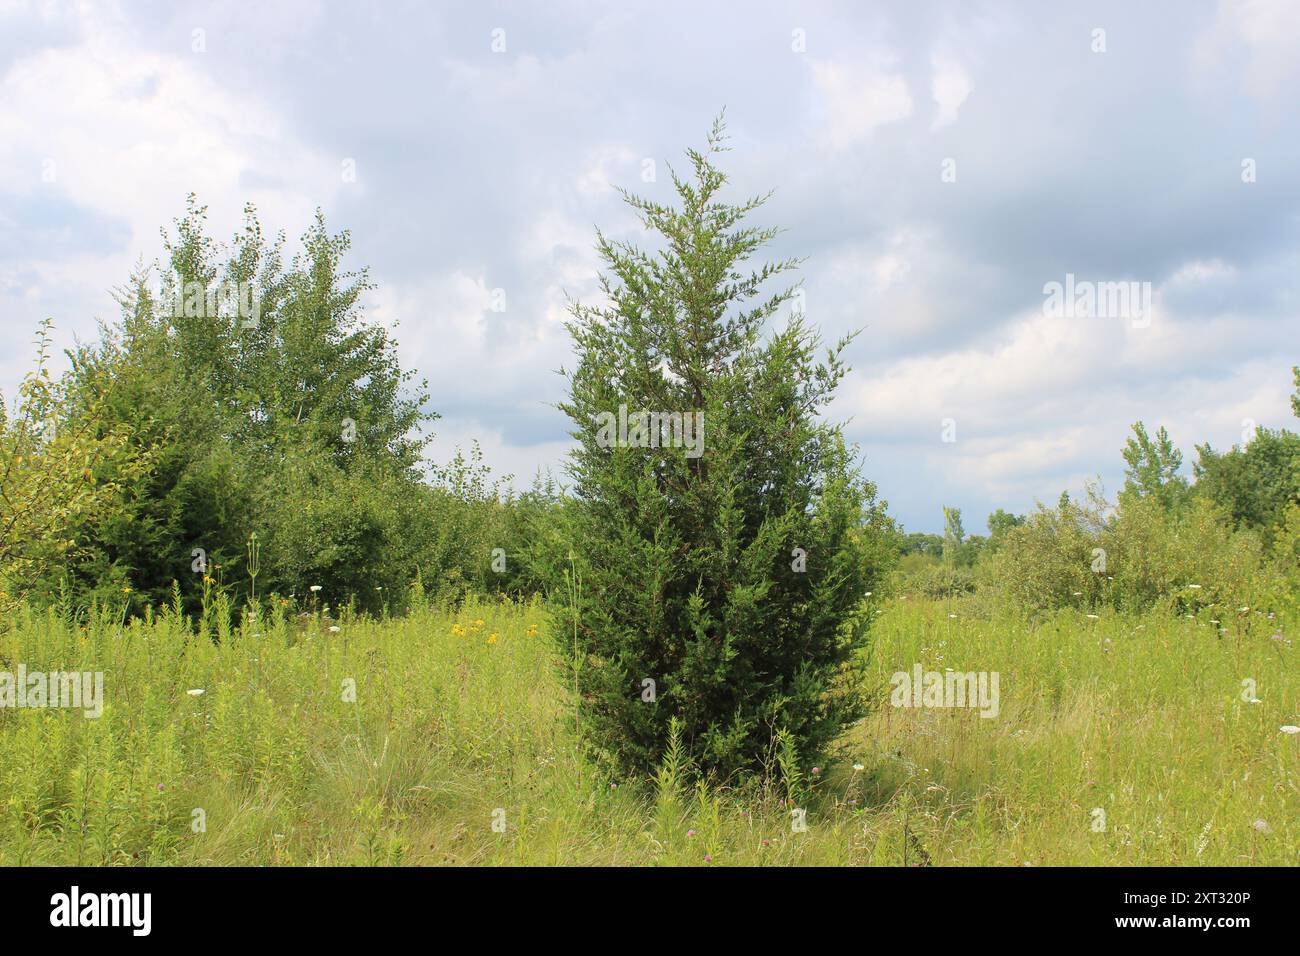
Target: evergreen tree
721,552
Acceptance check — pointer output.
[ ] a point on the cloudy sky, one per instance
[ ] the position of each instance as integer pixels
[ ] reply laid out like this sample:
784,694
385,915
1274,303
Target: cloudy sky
938,164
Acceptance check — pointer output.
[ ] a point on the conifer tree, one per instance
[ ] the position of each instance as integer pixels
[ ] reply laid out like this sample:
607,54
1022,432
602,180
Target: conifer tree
721,542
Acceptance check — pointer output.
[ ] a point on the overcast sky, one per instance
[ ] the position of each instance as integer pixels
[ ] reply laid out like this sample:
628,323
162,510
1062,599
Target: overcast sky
938,164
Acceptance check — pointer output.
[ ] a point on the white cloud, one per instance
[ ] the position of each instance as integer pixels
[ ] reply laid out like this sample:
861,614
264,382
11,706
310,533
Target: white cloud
857,98
1265,34
950,86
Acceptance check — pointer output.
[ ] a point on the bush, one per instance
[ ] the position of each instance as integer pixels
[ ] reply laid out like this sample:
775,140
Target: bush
1142,556
1047,561
1155,557
943,581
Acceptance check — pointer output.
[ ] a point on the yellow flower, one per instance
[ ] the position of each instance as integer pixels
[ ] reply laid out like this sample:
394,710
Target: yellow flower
532,630
479,622
492,638
126,590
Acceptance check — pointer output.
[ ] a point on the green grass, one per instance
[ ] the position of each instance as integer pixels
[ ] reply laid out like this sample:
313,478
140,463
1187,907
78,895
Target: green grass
1142,717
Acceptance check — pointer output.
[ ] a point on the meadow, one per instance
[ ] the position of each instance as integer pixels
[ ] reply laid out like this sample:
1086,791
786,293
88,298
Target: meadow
445,737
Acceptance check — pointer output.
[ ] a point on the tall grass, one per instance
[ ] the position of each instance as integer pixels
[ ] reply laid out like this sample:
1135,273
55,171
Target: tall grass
460,722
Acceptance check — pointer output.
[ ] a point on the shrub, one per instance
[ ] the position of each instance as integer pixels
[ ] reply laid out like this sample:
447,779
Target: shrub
1142,556
1047,561
944,581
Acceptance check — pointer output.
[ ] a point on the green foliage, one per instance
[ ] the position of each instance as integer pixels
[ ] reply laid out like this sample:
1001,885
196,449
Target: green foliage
690,566
1256,484
1139,557
58,480
1286,551
1047,561
936,580
920,543
1152,471
1167,544
1000,523
291,420
953,533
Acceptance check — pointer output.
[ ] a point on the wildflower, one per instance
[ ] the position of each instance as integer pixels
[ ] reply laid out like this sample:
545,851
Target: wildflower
479,622
868,594
161,788
334,629
708,858
857,767
492,638
1093,617
1078,594
1194,587
195,692
816,771
1242,610
1262,826
690,833
1290,729
767,843
314,588
126,590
